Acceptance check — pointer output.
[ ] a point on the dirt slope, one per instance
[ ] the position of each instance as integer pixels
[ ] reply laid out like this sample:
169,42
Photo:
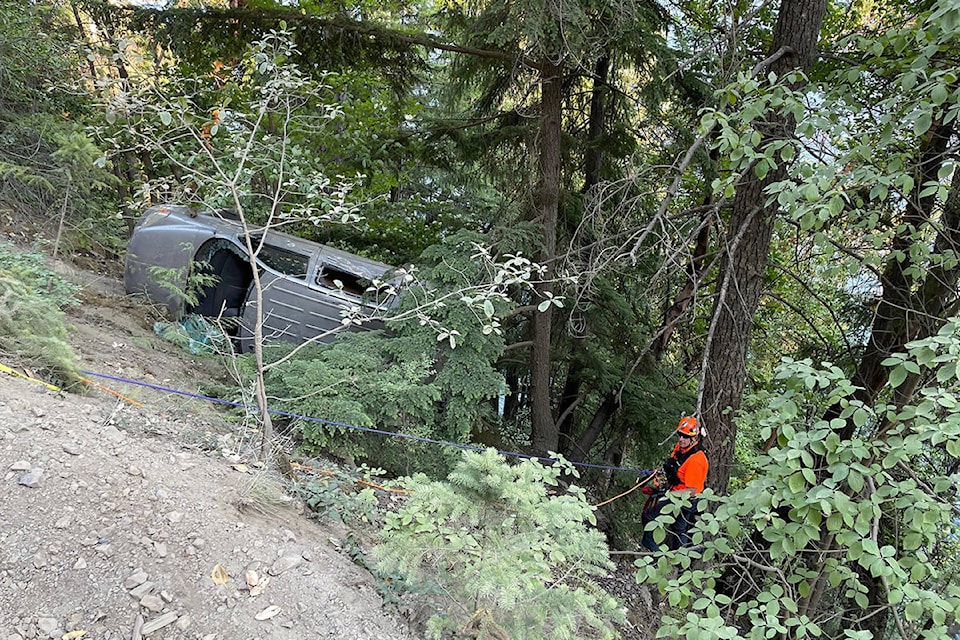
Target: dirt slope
121,521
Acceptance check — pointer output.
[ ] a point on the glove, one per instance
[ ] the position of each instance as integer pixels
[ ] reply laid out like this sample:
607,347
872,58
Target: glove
647,490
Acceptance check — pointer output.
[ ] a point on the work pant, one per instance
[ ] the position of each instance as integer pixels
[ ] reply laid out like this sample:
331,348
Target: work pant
678,533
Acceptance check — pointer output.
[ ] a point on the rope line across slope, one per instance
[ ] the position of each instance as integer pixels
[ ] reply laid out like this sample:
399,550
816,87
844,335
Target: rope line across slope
392,434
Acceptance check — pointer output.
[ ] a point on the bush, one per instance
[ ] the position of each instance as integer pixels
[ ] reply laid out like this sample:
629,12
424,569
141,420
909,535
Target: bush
853,536
500,553
32,330
404,382
30,267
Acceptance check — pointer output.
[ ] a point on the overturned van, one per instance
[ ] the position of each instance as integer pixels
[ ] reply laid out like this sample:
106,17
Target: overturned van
306,285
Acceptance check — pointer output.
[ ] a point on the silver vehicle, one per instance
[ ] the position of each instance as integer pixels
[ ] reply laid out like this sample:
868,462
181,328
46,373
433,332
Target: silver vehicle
305,284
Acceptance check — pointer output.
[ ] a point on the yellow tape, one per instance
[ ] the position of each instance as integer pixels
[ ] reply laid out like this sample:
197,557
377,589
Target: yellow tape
16,373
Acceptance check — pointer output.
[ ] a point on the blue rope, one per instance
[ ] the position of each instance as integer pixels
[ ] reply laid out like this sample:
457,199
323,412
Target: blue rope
393,434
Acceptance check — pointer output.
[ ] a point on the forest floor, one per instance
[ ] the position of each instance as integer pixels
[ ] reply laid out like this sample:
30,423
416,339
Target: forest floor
147,515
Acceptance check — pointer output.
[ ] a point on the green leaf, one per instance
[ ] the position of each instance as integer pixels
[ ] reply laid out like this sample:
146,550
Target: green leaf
913,611
912,541
834,522
860,417
855,481
939,94
926,192
796,482
947,372
836,205
166,118
897,376
488,308
761,169
953,448
733,527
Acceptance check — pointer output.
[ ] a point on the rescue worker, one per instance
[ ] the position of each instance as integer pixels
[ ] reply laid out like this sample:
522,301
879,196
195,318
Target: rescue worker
685,470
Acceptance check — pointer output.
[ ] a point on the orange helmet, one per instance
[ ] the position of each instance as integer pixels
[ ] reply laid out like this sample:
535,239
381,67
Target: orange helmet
688,427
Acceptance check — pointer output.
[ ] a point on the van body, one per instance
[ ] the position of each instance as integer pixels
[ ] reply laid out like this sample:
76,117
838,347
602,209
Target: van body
306,285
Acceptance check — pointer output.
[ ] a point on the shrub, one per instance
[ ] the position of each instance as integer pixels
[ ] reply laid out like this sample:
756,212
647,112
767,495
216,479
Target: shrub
852,536
32,329
404,381
500,553
30,267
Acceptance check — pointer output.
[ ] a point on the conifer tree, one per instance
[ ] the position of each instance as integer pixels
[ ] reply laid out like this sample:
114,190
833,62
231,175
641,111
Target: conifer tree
504,552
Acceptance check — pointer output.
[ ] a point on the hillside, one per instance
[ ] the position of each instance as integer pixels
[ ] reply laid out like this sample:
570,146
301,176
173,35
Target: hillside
126,521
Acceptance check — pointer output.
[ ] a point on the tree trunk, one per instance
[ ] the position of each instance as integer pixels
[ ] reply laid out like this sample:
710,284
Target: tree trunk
744,263
567,409
601,418
84,37
544,432
593,160
511,404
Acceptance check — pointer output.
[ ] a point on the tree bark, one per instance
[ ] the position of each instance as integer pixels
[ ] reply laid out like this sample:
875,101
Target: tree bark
601,418
567,409
545,434
593,160
84,37
511,404
745,253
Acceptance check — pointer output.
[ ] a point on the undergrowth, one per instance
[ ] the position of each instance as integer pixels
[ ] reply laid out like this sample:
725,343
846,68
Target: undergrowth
29,267
345,496
32,329
360,500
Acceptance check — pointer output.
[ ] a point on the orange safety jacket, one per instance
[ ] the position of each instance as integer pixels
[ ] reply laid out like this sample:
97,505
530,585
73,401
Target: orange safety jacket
687,469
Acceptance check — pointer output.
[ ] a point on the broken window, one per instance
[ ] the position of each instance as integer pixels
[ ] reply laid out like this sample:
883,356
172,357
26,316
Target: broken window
333,278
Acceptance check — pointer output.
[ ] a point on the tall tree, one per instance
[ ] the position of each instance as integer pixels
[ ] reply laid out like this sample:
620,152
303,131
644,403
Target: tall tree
611,60
545,431
747,241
